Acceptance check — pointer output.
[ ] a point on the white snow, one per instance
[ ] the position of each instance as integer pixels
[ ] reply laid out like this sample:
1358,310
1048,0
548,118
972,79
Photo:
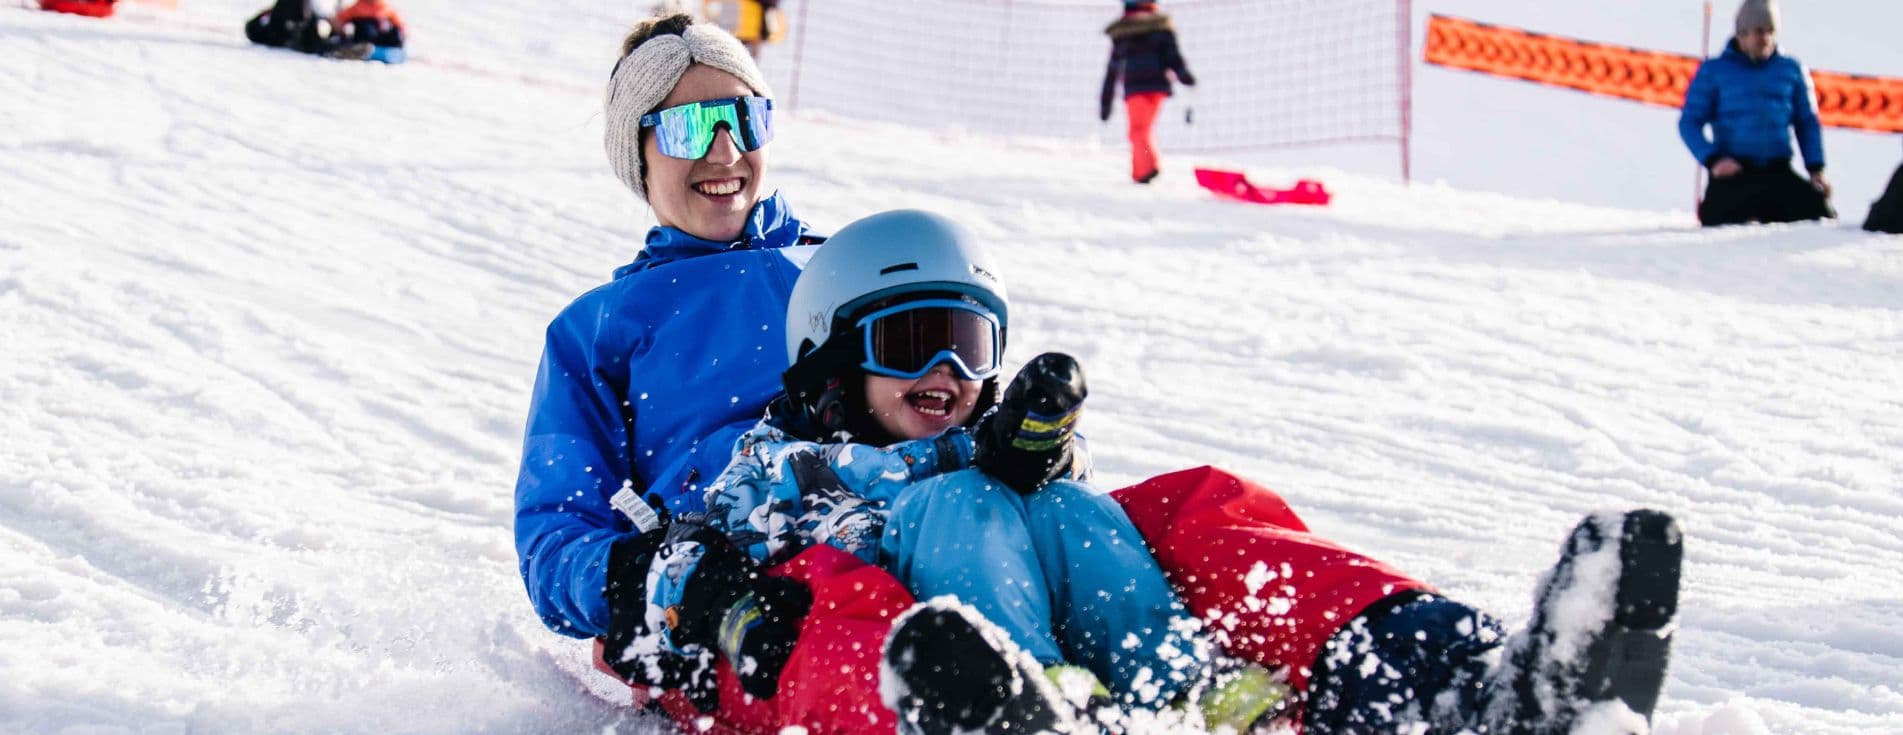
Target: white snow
268,325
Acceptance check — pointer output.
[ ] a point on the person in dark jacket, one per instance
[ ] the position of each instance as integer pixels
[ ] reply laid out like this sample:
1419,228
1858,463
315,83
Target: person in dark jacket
1752,96
1143,55
290,24
1886,214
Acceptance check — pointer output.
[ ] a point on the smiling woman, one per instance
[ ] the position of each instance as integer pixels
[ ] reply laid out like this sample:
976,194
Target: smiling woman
688,116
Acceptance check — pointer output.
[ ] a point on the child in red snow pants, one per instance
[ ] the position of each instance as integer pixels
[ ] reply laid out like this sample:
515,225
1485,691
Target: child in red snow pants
1141,109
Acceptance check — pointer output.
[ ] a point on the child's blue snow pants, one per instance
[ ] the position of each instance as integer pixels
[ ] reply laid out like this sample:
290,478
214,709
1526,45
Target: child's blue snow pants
1062,570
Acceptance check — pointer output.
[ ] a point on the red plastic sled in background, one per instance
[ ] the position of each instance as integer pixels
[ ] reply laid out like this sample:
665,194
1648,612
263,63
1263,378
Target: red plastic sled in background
94,8
1234,185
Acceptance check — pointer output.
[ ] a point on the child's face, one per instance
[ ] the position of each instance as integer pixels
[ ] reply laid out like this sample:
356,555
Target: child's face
926,407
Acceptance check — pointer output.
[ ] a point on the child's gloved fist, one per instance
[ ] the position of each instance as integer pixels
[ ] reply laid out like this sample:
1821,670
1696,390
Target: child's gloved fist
1029,437
698,595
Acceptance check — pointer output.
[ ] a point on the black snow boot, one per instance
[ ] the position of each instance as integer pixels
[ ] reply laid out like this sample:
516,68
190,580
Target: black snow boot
948,670
1596,647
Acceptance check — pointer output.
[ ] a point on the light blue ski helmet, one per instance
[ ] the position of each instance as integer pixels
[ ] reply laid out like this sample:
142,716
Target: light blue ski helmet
886,255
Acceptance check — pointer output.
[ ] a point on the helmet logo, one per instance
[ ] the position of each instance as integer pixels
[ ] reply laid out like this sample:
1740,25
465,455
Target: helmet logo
982,273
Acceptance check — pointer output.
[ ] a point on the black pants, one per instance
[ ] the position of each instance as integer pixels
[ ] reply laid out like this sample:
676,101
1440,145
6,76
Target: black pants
288,24
1886,215
1772,193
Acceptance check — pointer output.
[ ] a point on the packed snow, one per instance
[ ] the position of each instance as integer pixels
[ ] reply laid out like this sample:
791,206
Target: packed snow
269,324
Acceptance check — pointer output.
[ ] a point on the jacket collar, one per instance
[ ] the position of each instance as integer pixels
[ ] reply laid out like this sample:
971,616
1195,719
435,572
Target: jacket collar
1137,24
770,225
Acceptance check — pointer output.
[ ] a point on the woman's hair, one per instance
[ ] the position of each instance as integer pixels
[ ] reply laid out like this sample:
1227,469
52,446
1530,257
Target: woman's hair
671,25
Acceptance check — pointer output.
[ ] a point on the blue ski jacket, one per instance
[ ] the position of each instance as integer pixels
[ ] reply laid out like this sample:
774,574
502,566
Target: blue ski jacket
1751,107
645,384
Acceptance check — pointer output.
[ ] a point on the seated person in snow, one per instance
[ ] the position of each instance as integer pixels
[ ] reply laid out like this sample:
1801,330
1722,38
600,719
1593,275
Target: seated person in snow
896,325
1752,96
290,24
357,32
372,22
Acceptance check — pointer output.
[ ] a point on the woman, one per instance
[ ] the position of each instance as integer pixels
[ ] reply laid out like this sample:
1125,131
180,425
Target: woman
647,381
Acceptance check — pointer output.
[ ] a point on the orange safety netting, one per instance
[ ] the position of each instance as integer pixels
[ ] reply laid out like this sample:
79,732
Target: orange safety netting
1652,77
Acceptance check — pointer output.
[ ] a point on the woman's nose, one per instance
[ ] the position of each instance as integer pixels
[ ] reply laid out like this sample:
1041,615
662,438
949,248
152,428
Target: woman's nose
723,151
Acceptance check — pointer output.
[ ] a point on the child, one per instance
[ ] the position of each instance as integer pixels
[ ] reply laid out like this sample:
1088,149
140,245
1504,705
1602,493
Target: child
893,444
1144,57
372,22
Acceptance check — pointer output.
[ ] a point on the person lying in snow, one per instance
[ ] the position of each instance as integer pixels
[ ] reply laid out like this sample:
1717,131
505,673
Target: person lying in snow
368,29
888,446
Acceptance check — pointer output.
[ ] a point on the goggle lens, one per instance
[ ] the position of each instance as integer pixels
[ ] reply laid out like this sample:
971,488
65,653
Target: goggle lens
908,340
687,131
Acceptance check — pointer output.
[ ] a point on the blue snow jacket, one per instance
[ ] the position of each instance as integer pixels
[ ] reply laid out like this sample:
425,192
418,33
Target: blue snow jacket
645,384
1751,107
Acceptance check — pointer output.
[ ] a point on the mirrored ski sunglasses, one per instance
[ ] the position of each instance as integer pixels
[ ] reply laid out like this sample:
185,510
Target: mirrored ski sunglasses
687,131
907,340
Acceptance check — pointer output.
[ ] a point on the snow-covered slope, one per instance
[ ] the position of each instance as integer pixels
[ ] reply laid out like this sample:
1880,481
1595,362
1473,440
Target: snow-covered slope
268,324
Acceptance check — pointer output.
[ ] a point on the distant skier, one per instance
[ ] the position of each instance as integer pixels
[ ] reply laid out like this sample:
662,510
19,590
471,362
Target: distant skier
1143,56
1752,96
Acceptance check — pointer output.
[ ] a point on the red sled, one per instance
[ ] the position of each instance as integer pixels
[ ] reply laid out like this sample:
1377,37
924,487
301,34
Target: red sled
94,8
1234,185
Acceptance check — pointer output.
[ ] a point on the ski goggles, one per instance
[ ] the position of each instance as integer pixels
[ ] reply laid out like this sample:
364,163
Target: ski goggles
908,340
687,131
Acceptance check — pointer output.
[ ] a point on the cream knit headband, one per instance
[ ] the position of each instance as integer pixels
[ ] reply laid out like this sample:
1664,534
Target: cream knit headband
648,73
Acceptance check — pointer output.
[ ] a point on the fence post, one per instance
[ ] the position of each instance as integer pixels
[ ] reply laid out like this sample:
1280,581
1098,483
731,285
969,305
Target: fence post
1406,36
799,56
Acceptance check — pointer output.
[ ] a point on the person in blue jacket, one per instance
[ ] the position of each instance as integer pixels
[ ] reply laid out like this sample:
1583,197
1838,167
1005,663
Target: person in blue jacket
646,381
1752,96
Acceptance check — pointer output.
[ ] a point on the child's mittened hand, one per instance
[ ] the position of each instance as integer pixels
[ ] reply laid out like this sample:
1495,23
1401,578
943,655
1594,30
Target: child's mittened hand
1026,440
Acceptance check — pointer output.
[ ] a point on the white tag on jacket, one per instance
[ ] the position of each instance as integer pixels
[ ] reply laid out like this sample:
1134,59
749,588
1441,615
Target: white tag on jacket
631,505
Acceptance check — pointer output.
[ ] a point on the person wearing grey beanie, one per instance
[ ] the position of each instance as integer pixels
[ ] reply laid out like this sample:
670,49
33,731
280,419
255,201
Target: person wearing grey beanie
1752,96
1756,14
669,63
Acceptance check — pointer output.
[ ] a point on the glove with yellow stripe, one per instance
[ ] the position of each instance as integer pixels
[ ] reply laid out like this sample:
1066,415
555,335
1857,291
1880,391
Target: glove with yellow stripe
1029,438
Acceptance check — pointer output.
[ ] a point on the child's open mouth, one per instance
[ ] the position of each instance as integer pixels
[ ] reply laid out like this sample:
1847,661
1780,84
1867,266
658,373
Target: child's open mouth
934,403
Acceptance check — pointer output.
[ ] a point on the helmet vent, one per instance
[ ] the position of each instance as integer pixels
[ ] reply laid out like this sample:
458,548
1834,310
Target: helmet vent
891,269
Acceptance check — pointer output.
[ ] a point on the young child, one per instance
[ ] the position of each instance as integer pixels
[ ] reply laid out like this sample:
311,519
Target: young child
893,444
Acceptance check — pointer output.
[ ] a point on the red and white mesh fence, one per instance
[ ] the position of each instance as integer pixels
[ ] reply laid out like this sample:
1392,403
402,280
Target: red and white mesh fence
1271,73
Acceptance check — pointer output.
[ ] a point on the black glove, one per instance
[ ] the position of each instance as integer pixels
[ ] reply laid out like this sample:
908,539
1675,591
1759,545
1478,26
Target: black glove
1027,439
701,595
1103,110
634,648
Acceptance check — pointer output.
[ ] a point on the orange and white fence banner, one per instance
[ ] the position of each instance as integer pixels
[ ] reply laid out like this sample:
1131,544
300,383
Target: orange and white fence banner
1651,77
